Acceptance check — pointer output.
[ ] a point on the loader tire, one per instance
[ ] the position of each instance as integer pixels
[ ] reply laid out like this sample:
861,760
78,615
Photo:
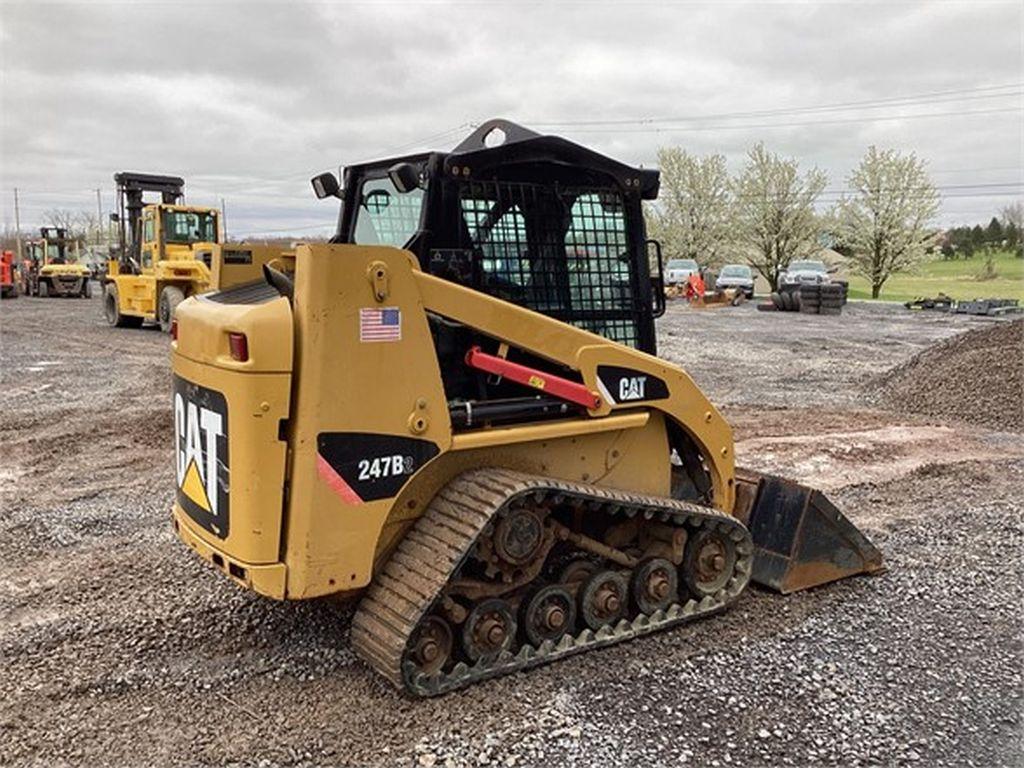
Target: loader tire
86,289
776,298
43,290
170,297
112,310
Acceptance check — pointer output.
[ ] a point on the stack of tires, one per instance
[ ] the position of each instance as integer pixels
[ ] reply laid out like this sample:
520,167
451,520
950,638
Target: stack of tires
786,299
822,299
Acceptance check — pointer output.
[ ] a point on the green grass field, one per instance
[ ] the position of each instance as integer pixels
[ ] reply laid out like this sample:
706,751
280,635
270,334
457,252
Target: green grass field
956,278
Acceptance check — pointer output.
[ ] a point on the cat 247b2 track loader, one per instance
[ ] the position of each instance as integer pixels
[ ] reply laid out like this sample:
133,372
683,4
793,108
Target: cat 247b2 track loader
454,409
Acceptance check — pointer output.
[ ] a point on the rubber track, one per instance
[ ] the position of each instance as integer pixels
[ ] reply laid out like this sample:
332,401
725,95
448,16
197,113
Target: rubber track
412,580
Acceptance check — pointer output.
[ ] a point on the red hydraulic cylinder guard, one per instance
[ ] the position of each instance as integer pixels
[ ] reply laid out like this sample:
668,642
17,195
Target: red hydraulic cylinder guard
530,377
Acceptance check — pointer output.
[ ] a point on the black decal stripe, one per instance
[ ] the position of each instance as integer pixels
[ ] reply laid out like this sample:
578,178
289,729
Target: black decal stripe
374,465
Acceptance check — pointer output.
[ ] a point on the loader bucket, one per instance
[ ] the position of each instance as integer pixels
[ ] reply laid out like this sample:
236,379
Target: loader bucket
800,539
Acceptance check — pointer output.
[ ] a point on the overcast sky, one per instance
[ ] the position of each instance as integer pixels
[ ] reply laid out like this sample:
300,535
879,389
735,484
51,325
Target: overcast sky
248,101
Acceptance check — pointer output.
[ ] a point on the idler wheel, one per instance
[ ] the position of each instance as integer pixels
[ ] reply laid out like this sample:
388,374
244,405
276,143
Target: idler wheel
654,585
708,563
549,615
431,646
603,599
489,629
518,536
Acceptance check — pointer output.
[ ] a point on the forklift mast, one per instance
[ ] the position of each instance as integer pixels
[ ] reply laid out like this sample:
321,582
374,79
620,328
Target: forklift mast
130,190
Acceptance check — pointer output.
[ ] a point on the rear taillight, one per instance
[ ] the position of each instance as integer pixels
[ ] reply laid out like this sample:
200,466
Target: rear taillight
239,346
174,330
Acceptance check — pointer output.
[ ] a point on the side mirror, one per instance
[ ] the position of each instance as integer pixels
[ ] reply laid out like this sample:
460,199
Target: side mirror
832,270
404,176
325,185
115,218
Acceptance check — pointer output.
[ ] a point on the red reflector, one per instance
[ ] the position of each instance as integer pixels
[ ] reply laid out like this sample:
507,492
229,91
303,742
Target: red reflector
239,346
174,330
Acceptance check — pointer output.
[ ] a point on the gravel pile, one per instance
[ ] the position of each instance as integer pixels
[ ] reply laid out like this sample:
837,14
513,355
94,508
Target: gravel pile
976,377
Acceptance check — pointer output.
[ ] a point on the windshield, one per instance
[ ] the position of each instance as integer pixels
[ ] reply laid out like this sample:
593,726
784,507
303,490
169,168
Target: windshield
682,264
735,270
190,227
807,266
386,216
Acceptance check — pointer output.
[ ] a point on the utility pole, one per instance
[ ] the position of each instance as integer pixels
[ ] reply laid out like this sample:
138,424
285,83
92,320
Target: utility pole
17,223
224,216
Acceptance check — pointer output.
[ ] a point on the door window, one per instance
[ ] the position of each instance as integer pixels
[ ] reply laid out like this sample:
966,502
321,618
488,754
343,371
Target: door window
387,216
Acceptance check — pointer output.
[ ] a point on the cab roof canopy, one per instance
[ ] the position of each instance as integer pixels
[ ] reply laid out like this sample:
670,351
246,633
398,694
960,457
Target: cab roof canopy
502,148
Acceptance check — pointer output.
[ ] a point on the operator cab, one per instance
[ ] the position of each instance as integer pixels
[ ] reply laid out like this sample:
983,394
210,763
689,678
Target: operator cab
533,220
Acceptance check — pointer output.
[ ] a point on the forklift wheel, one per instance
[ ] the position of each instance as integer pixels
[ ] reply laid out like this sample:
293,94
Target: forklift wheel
112,310
170,297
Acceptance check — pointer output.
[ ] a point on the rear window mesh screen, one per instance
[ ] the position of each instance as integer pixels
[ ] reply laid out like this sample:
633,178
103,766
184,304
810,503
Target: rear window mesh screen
558,250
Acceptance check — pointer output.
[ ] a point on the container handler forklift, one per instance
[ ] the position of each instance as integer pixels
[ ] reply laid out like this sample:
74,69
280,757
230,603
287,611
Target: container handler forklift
51,266
454,411
168,251
156,266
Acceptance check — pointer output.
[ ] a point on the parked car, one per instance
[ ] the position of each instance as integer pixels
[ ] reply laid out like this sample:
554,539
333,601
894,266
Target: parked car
738,276
678,271
805,271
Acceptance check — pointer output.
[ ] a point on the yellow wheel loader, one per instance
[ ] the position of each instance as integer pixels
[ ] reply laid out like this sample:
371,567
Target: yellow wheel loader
51,266
454,412
168,251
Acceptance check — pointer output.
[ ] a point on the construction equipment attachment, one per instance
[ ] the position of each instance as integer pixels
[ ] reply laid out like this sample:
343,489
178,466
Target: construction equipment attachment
454,411
800,538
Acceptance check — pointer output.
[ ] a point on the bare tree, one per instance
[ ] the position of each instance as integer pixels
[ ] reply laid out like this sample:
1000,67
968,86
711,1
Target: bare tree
886,225
692,218
62,218
774,216
1013,214
1013,227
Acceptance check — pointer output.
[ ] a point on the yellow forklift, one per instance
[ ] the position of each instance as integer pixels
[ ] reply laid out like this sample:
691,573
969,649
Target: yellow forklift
157,264
169,251
51,266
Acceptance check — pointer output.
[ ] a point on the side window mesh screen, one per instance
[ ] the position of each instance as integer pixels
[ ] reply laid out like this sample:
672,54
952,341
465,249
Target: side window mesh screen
561,251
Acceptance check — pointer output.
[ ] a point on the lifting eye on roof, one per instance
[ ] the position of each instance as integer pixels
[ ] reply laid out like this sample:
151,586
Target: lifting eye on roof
494,138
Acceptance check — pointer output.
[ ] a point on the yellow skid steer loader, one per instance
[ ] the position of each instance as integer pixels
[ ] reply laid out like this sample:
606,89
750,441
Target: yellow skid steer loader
454,411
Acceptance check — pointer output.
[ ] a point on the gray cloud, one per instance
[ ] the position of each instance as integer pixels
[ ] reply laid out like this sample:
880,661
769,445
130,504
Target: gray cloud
249,100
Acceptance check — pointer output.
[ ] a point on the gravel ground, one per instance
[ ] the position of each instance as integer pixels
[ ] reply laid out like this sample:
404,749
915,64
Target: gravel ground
122,649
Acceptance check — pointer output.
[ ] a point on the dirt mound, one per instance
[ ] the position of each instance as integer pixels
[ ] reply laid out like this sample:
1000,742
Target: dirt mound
977,377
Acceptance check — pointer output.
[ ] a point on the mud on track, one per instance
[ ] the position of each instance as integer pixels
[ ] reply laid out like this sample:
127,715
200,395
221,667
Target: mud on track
120,648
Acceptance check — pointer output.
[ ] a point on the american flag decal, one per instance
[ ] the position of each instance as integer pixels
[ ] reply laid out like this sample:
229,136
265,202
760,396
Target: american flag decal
383,324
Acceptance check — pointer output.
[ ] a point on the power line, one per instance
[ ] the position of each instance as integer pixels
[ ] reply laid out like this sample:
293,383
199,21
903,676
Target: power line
837,121
911,100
